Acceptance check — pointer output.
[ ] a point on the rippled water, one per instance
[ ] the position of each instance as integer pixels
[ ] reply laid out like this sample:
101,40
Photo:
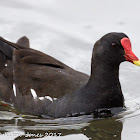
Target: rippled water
20,127
67,31
80,128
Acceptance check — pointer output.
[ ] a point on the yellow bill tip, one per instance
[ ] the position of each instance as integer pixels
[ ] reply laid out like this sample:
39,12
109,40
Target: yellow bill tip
137,62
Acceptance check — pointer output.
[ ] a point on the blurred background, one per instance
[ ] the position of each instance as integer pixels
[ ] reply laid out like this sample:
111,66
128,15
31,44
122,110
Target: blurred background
68,29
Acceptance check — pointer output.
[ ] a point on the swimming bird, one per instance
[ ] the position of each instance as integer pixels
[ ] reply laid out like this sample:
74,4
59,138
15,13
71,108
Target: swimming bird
46,86
6,69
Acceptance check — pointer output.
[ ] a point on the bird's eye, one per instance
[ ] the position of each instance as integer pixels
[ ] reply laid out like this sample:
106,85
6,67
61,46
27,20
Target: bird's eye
114,44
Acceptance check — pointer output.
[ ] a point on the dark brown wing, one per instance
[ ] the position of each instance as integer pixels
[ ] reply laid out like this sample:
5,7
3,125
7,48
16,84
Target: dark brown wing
24,41
37,72
46,75
6,69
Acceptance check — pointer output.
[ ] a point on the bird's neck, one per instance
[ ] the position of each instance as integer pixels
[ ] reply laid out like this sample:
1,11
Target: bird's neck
104,75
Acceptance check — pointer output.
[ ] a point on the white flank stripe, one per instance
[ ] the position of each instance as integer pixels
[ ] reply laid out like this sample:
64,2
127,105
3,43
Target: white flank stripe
55,98
14,89
33,93
41,98
49,98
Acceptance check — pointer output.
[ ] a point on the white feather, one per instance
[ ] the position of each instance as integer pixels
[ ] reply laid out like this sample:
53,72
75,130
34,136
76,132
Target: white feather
41,98
33,93
49,98
14,89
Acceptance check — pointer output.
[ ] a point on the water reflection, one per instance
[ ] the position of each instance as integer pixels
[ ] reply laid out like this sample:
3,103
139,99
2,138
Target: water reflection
20,127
